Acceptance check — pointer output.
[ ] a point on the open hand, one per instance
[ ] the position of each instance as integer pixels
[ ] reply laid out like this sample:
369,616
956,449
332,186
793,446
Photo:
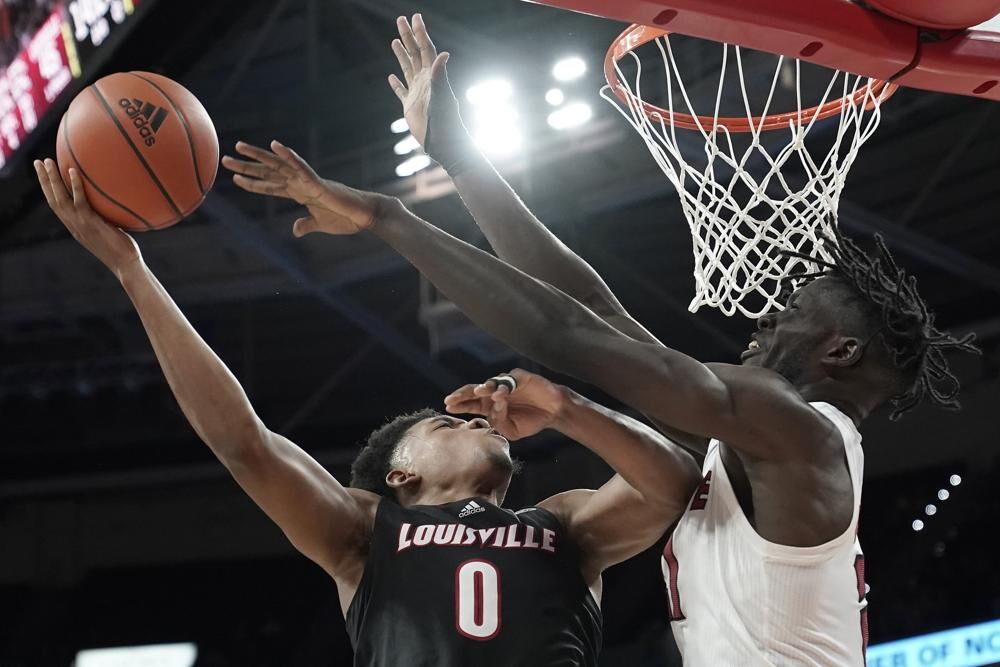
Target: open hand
113,247
333,208
422,66
533,405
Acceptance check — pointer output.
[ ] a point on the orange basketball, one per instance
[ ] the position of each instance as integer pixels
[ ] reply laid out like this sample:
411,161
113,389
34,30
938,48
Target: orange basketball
145,148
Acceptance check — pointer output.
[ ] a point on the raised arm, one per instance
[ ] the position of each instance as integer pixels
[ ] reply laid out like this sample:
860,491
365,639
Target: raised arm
518,237
754,410
654,478
326,522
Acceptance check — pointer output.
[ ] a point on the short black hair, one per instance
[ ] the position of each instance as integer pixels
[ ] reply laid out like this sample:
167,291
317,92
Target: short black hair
374,460
901,319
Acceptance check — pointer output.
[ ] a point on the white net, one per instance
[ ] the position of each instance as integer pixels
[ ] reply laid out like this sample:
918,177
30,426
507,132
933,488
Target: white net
749,200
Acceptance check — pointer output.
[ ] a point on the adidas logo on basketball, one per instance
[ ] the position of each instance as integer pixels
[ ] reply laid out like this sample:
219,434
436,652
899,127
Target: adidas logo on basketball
471,508
146,117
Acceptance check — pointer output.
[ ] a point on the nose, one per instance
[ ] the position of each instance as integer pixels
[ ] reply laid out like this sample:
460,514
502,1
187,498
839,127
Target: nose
765,322
477,423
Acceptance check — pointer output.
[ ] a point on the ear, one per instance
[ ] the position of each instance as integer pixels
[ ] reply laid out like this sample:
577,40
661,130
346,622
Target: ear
399,479
844,352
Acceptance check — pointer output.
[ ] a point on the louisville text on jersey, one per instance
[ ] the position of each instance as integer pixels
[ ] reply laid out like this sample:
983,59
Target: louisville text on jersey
516,536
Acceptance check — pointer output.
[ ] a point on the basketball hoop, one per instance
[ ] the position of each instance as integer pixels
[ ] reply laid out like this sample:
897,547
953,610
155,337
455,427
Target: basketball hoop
745,222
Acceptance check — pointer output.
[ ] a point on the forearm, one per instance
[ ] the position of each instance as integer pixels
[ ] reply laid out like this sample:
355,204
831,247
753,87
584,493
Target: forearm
546,325
210,397
662,472
520,239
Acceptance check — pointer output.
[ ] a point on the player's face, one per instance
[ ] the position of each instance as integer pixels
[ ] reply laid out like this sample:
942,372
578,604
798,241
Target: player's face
448,450
793,341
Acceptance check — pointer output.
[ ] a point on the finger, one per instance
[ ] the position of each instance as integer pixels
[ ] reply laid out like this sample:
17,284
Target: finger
292,159
466,408
405,62
43,181
463,393
409,41
501,393
398,87
254,169
427,51
59,194
260,187
438,68
486,388
79,195
498,414
262,155
303,226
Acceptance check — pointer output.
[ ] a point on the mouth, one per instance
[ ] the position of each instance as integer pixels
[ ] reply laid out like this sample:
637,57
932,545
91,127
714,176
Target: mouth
494,434
752,349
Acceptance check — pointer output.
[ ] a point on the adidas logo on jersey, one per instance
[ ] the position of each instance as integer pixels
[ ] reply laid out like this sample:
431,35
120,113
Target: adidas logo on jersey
146,117
471,508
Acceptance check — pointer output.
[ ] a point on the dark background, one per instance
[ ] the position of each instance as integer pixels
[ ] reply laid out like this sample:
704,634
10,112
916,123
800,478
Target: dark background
118,527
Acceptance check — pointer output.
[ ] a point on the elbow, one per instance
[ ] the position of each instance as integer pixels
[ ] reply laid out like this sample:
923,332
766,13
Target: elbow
239,444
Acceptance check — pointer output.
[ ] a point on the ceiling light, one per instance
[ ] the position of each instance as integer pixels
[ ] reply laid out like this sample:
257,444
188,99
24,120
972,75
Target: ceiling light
555,97
490,91
568,69
413,165
399,126
571,115
407,145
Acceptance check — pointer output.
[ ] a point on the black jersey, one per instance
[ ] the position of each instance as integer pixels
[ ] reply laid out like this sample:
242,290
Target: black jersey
469,584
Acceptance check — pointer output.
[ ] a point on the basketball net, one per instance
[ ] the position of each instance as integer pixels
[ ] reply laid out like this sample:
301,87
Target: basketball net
743,213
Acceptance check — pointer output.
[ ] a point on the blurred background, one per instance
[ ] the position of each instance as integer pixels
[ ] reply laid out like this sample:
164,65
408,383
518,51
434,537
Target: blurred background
119,528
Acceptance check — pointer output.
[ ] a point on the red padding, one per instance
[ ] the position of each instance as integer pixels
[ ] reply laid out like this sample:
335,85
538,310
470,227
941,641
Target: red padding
836,33
940,14
967,64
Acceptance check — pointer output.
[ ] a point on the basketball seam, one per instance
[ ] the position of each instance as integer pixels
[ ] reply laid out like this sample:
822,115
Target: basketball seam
184,124
83,172
149,170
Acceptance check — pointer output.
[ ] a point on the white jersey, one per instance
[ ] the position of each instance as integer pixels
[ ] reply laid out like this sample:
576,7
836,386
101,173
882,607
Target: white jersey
737,599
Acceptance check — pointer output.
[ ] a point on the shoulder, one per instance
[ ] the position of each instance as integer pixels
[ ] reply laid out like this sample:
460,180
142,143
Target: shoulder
562,505
772,410
366,501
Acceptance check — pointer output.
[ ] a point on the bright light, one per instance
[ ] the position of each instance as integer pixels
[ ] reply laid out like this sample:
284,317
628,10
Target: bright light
568,69
955,480
501,115
490,91
930,510
407,145
158,655
571,115
412,165
499,140
399,126
555,97
918,525
943,494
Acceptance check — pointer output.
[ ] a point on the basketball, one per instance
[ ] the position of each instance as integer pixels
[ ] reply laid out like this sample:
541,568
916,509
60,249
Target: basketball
144,146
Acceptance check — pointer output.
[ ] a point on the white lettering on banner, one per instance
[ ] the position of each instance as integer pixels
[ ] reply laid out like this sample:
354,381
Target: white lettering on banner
969,646
90,18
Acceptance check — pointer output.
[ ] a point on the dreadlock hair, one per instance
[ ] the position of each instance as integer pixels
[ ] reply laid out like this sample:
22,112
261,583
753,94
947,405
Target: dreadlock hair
907,329
374,461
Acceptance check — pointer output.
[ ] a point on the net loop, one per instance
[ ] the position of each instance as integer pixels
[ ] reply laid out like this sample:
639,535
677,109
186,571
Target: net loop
756,210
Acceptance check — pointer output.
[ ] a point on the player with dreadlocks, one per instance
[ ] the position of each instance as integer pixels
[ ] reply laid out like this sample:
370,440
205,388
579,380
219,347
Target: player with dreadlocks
764,567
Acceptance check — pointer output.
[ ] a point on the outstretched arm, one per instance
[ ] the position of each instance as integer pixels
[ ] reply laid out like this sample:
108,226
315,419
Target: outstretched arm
518,237
754,410
321,518
654,478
